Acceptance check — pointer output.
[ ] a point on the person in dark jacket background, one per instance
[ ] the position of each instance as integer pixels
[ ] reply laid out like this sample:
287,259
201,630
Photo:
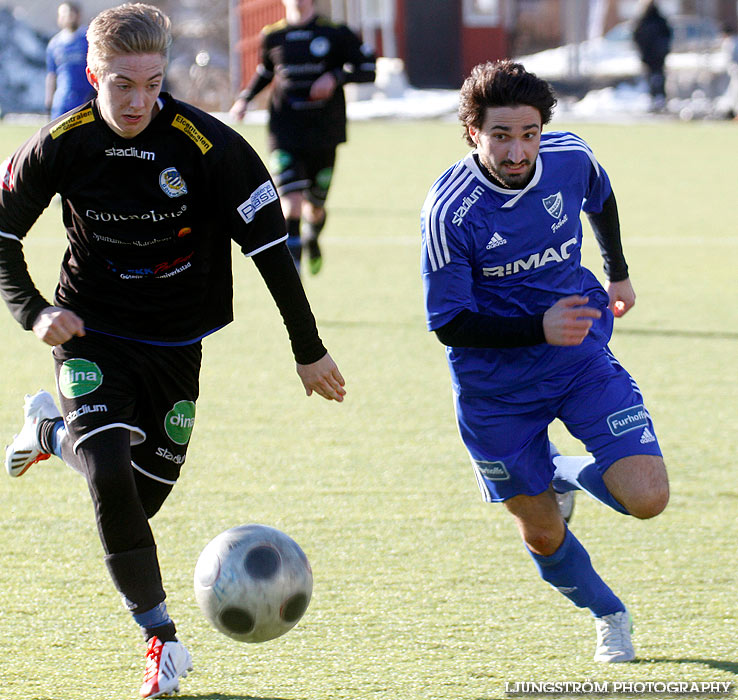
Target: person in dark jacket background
652,34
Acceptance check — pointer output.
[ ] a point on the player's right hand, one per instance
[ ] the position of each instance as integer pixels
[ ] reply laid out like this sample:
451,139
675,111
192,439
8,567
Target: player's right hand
55,325
568,321
324,378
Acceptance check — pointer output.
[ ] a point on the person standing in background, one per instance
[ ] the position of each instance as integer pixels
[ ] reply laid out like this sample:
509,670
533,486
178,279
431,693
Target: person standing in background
652,35
66,59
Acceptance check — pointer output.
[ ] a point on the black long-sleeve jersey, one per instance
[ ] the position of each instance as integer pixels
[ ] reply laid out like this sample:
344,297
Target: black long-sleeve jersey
149,222
293,57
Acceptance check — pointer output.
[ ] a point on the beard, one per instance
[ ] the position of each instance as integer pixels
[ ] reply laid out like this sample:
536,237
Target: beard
515,181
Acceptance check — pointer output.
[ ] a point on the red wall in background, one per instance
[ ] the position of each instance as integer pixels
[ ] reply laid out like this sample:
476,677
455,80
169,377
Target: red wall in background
254,16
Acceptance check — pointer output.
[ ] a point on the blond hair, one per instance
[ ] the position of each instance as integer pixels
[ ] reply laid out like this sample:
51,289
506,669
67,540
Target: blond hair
132,28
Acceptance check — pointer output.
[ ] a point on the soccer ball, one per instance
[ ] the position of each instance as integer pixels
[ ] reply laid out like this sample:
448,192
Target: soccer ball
253,583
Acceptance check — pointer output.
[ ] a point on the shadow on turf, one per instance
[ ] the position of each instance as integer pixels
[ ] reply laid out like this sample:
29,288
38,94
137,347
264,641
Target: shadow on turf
717,664
221,696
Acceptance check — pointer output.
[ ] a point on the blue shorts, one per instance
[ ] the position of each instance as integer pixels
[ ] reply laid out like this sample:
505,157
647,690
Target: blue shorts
507,434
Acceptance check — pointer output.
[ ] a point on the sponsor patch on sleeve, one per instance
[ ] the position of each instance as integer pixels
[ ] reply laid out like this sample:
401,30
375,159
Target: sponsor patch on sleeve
186,126
72,122
260,197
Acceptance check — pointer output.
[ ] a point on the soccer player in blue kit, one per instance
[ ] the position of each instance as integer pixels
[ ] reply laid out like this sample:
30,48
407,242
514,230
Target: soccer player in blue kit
66,59
526,328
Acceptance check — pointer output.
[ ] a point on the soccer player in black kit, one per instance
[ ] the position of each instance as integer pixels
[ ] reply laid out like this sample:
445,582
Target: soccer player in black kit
153,191
308,59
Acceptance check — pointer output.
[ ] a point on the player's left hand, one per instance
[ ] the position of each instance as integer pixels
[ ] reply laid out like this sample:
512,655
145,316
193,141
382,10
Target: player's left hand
324,378
324,87
622,297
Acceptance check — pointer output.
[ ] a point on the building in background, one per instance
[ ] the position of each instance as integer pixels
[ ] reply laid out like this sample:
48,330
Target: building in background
439,41
434,42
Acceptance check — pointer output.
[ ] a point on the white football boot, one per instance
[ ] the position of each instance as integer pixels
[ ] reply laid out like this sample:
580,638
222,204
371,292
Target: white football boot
613,638
166,663
25,449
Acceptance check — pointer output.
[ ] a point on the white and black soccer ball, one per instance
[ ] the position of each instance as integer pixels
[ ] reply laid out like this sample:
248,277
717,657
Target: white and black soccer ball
253,583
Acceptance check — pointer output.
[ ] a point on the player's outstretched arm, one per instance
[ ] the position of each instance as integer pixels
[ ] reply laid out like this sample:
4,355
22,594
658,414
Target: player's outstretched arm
55,326
238,110
568,321
622,297
324,378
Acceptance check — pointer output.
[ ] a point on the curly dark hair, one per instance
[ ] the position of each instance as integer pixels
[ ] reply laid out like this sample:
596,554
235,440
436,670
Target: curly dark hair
502,84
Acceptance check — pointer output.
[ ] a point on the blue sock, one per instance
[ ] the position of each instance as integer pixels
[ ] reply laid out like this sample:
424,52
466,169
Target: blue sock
56,437
593,483
582,473
156,617
569,570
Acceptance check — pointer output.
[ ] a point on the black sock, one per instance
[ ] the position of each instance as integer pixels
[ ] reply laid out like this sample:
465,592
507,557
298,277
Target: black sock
165,633
45,433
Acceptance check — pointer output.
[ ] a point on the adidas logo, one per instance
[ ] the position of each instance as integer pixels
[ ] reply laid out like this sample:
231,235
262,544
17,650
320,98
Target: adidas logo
647,437
495,241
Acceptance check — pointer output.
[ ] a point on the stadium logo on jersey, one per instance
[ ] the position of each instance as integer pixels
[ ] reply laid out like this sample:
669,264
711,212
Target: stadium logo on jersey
72,122
320,46
130,153
494,471
79,377
260,197
496,241
6,183
628,419
180,421
166,453
84,410
172,183
466,204
532,262
186,126
554,205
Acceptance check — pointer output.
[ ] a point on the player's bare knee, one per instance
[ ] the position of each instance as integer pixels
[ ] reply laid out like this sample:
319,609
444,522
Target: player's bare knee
649,504
543,542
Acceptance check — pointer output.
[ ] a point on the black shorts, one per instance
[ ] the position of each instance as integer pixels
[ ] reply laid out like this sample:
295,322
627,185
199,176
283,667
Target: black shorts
151,391
309,171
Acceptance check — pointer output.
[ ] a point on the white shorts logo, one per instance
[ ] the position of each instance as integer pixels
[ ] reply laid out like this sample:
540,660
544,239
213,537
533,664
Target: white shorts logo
260,197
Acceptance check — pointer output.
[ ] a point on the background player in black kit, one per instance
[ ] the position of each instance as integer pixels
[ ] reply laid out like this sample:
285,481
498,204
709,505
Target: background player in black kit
308,59
153,191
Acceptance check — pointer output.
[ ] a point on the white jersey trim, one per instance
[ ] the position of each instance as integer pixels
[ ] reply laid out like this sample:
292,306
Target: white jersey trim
514,195
436,242
152,476
569,142
268,245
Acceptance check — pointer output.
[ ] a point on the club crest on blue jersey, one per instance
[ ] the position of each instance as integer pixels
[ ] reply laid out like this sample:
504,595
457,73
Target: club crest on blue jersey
554,205
172,183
